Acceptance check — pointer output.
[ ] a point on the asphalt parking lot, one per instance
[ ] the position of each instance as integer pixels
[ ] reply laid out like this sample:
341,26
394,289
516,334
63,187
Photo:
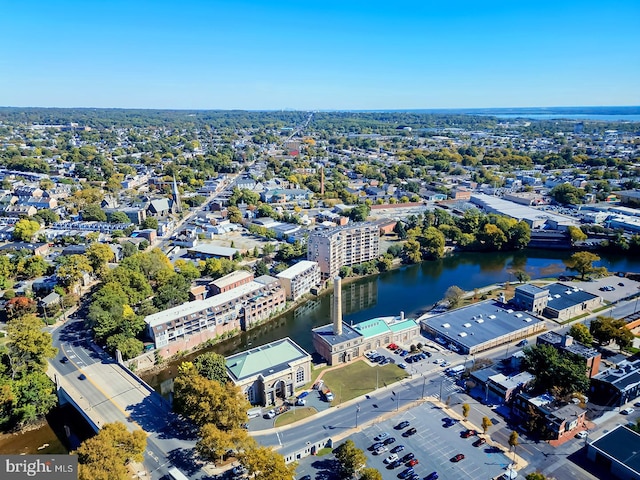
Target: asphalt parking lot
628,287
433,446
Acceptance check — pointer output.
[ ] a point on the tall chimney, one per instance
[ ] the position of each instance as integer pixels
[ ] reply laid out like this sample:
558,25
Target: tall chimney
402,316
337,306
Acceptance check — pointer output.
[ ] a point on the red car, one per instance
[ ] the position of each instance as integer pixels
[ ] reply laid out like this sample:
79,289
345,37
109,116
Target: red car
392,346
457,458
413,462
468,433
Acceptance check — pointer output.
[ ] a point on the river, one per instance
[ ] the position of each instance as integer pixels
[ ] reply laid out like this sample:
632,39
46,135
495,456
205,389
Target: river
411,289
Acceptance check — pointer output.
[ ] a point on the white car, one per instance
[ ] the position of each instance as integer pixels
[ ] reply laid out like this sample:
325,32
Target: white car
628,411
581,434
381,450
391,458
382,436
438,361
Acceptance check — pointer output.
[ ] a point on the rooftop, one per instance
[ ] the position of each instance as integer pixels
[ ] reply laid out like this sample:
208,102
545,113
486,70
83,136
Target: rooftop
264,360
326,333
578,348
479,323
563,296
625,376
530,289
199,305
623,445
231,278
296,269
213,250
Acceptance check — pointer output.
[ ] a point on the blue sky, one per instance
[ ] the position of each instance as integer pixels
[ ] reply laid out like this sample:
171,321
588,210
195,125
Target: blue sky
319,55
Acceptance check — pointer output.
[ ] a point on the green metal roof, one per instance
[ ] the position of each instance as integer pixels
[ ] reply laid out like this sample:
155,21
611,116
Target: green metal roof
405,325
371,328
265,359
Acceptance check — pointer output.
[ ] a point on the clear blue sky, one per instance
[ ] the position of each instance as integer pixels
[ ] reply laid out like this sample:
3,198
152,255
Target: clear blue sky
240,54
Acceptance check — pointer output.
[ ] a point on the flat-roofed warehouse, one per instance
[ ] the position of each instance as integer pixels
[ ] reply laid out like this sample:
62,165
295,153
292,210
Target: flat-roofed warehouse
618,452
481,326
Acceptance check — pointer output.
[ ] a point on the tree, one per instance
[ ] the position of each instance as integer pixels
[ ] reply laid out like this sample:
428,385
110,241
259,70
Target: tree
582,262
412,253
215,443
34,395
29,346
48,216
234,215
17,307
104,456
187,269
607,329
212,366
432,243
465,410
454,295
99,254
72,268
536,476
94,212
33,267
263,463
580,332
350,458
522,276
492,237
24,230
118,217
261,268
576,234
359,213
400,230
149,223
208,401
519,235
567,194
513,439
486,424
370,474
173,292
563,373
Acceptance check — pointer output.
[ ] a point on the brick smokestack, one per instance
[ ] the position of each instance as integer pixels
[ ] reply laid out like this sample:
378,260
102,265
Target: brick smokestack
337,306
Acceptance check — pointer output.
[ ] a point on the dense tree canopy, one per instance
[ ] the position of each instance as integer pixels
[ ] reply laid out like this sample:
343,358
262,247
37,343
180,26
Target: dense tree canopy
561,373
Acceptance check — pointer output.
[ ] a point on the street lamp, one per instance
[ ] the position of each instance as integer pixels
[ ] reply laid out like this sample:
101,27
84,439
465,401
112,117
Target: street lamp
357,412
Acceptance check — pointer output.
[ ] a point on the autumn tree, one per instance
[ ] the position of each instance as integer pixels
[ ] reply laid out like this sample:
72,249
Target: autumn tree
208,401
215,443
263,463
486,424
454,295
582,262
72,268
607,329
29,346
576,234
99,254
105,456
24,230
350,458
580,332
370,474
465,410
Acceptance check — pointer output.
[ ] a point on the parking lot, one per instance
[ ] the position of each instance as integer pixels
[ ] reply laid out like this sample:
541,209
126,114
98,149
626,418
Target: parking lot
433,445
622,287
437,358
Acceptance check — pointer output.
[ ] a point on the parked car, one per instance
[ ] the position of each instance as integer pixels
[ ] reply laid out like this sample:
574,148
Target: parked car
303,394
479,442
395,464
581,434
403,353
628,411
403,424
270,414
402,366
522,343
413,462
408,456
409,432
392,346
64,360
457,457
448,422
376,445
380,450
468,433
432,476
397,449
406,473
381,436
391,458
389,441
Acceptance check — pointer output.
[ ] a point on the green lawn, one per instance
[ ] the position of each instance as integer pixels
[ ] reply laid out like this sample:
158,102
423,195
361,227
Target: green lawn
293,415
358,378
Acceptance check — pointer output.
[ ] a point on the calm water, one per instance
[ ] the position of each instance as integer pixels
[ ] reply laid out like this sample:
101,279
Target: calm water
571,116
410,289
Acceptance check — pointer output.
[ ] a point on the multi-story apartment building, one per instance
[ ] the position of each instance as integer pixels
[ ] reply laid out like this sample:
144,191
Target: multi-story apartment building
343,246
187,325
300,279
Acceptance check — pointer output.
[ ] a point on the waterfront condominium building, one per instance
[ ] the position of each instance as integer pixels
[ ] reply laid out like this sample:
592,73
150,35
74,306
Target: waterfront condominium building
300,279
343,246
186,326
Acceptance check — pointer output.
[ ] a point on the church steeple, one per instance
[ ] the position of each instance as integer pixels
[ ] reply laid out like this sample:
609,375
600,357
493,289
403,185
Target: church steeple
175,194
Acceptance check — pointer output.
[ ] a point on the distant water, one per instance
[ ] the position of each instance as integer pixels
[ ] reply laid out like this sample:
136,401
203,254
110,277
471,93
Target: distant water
567,116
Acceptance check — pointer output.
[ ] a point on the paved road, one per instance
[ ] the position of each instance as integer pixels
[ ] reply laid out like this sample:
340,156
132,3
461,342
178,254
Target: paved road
107,393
